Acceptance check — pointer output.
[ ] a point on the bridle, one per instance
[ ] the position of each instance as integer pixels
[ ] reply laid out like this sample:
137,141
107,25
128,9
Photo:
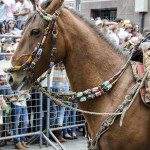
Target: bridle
35,56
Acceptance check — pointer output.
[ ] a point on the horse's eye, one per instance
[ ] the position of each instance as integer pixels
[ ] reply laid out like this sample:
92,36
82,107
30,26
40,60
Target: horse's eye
35,32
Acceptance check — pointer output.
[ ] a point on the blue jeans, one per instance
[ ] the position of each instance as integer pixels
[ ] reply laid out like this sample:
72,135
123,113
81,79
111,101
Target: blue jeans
70,116
18,111
59,87
6,90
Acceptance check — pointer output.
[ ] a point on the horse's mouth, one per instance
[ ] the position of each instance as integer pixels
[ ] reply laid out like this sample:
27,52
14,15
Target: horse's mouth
24,85
21,85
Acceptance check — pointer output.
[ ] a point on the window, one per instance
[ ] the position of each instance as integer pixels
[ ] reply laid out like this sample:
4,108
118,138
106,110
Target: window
107,13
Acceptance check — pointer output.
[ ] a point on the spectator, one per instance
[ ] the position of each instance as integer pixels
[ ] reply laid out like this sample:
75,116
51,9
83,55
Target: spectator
3,11
5,63
114,35
136,32
5,89
99,23
10,8
22,13
11,28
59,84
127,33
17,6
31,6
2,28
3,106
70,119
120,33
19,109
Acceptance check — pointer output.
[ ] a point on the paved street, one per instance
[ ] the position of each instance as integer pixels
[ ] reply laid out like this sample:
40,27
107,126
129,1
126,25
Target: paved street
79,144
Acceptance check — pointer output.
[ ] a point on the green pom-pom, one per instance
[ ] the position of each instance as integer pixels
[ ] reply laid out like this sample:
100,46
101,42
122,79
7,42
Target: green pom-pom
47,18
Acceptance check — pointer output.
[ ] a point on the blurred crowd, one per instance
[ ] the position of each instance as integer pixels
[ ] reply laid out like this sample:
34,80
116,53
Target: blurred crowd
121,32
13,14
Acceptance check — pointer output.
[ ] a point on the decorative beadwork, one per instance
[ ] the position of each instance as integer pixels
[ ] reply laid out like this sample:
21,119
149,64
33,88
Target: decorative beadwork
94,92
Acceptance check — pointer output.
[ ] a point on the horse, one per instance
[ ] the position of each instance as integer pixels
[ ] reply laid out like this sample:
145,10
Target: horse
89,58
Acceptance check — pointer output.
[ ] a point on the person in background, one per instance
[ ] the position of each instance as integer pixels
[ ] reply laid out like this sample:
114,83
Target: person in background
2,28
136,32
31,6
120,33
59,83
99,23
3,106
10,8
70,119
22,13
19,109
5,63
113,35
17,6
3,14
5,90
11,28
127,33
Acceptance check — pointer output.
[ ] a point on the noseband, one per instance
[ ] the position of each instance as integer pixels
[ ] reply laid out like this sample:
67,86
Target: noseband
36,54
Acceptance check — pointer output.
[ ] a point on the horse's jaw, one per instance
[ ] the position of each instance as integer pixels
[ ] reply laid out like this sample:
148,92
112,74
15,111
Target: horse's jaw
18,81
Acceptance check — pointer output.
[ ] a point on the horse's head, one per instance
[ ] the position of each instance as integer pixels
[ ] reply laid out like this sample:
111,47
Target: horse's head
35,49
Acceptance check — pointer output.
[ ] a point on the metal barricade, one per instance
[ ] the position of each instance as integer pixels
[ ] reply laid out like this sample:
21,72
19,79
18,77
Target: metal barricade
22,119
38,118
60,118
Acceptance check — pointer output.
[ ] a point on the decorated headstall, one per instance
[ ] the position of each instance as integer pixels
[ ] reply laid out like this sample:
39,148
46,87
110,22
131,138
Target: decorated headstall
36,54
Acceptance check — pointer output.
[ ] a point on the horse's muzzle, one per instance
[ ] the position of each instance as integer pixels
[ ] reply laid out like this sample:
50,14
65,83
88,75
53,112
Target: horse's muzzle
18,81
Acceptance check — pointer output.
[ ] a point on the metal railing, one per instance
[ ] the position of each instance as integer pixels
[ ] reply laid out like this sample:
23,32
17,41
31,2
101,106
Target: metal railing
43,115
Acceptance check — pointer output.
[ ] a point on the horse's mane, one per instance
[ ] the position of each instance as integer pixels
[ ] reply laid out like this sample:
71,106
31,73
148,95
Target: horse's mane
100,33
45,4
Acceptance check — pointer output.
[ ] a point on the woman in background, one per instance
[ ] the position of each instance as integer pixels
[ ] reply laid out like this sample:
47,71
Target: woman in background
12,30
2,28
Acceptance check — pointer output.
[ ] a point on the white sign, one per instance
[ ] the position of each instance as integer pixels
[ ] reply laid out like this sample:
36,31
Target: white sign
141,5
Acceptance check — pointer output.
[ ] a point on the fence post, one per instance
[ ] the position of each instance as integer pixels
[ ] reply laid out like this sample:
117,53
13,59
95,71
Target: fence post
48,109
41,123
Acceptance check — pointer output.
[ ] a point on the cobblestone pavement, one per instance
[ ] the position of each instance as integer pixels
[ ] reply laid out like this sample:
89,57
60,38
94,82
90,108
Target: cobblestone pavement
79,144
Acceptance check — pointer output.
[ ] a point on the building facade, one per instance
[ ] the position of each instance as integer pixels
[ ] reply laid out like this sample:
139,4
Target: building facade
110,9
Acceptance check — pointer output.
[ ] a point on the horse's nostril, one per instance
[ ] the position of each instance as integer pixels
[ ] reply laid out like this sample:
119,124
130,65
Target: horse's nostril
10,81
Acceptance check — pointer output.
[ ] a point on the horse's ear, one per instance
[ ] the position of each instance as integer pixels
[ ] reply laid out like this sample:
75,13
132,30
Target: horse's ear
54,5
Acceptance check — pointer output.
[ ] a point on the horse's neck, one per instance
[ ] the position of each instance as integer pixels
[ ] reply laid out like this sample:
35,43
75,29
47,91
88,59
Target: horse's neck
90,60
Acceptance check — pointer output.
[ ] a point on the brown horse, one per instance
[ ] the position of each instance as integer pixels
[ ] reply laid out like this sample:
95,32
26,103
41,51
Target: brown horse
89,59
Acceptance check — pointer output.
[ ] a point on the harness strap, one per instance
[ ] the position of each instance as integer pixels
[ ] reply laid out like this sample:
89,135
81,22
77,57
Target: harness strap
122,109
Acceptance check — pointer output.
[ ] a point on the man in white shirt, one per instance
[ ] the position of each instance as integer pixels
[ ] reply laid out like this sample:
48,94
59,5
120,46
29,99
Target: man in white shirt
113,36
3,15
23,12
5,63
10,8
5,88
